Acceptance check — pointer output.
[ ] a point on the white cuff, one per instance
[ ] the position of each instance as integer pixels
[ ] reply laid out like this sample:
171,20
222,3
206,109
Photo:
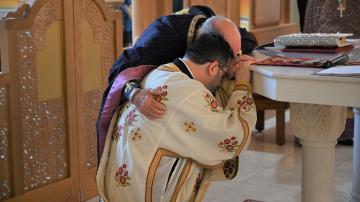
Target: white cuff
135,90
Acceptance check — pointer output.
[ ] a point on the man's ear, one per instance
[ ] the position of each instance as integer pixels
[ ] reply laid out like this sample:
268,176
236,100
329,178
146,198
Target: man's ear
213,68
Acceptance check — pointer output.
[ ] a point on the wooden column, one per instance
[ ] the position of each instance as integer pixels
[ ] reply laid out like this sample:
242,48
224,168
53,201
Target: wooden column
233,11
285,11
144,12
226,8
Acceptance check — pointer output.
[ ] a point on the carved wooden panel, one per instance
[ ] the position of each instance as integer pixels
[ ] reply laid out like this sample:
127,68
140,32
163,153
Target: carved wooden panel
55,76
267,13
43,121
96,48
5,190
102,35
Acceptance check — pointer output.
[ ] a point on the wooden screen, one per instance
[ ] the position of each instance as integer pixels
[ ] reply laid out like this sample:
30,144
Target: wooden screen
55,62
94,56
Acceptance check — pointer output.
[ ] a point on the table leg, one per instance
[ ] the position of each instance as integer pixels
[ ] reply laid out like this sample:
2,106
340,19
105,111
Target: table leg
318,127
355,193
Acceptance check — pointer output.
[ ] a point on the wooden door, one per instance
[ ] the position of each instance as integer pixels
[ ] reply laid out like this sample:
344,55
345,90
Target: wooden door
38,127
54,66
98,42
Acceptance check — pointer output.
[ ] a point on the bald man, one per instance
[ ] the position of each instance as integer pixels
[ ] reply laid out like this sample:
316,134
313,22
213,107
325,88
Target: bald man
165,159
163,41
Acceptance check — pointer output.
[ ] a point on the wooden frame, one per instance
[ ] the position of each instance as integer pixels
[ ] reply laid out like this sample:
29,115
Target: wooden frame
79,184
62,189
145,11
227,8
82,9
265,33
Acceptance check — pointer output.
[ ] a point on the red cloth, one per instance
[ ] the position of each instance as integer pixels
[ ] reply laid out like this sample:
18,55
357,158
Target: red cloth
294,62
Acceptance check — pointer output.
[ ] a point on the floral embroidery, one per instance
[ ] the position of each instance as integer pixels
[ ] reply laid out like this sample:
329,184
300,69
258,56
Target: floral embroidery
130,118
117,128
229,168
197,183
211,102
229,145
121,176
189,127
163,95
246,103
136,134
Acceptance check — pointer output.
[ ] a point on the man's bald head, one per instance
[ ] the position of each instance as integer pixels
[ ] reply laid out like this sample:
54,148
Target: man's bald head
226,28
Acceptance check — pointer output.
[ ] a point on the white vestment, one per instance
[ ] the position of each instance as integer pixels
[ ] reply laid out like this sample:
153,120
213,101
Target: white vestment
165,159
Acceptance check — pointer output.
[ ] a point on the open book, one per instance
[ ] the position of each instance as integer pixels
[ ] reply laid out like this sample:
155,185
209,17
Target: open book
350,70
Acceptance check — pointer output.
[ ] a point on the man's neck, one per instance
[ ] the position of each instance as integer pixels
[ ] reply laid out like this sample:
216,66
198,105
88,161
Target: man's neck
184,67
194,68
190,65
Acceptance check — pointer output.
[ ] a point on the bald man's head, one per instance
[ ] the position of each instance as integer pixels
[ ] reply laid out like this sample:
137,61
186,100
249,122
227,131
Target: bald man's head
226,28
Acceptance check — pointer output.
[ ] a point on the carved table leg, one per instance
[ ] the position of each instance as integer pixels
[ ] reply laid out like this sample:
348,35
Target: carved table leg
355,193
318,127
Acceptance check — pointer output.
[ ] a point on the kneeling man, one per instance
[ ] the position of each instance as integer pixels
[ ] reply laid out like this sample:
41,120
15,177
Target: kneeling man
165,159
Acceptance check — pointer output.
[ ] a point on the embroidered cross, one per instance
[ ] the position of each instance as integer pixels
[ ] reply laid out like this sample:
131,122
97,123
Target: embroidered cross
341,8
136,134
189,127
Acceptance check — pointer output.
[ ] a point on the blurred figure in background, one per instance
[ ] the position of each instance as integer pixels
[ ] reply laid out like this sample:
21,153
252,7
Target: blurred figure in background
127,31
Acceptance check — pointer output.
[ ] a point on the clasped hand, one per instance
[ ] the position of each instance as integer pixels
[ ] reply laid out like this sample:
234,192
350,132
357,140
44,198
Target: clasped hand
145,102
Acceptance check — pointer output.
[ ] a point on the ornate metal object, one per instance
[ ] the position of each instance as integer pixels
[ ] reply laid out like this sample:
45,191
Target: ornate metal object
312,40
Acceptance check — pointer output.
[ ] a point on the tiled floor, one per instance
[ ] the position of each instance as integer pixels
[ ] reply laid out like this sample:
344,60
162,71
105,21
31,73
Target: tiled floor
272,173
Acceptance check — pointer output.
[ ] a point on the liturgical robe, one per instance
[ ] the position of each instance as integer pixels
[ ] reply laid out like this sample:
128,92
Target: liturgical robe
155,46
165,159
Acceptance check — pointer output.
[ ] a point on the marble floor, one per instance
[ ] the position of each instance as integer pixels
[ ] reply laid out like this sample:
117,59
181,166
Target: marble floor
272,173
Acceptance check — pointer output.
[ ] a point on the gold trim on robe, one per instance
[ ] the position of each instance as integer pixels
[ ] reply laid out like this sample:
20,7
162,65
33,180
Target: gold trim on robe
184,11
181,180
192,29
170,67
153,168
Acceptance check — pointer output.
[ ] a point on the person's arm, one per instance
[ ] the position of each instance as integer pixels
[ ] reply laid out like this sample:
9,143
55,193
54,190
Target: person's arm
144,100
248,41
115,98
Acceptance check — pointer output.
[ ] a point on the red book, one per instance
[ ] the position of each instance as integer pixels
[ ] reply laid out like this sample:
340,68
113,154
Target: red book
332,50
